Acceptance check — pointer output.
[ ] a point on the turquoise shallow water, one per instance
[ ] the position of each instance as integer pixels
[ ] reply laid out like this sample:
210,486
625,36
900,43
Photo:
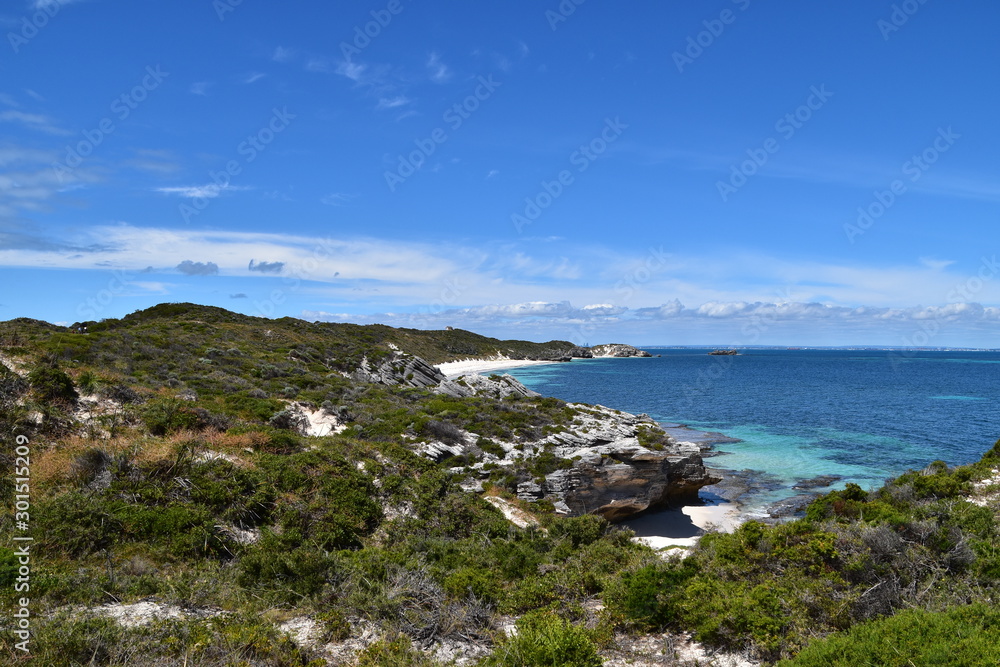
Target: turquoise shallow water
861,415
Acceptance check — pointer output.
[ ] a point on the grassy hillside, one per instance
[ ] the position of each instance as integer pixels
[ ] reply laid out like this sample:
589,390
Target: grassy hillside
167,474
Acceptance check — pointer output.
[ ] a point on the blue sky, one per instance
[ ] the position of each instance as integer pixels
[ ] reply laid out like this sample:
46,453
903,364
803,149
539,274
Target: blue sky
732,172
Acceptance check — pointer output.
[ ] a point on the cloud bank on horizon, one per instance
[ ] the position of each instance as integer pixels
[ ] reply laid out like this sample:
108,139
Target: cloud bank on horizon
649,174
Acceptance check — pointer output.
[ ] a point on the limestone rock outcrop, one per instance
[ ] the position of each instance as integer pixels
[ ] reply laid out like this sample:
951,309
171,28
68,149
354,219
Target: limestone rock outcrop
619,480
493,386
618,350
399,368
613,474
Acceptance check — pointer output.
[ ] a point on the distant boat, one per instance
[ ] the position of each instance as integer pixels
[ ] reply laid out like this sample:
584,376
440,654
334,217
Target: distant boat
721,353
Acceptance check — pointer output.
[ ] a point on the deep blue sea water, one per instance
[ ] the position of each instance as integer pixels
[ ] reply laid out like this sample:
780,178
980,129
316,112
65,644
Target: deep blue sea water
863,415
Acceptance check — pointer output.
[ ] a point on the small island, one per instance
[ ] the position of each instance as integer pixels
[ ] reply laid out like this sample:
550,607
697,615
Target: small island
723,353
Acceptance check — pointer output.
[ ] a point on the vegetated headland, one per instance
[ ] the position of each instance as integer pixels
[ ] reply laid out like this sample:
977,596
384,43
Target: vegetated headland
209,488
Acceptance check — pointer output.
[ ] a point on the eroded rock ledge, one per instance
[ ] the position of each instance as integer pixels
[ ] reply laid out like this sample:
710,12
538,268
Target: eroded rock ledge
618,350
613,474
622,464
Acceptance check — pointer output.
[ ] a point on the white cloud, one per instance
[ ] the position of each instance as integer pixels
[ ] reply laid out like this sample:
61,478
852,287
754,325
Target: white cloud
282,55
253,77
438,284
200,87
30,179
33,121
408,269
337,198
393,102
353,71
437,70
42,4
207,191
319,64
936,264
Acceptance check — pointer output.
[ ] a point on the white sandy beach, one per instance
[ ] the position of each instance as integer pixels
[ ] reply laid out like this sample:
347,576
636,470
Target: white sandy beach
453,369
723,517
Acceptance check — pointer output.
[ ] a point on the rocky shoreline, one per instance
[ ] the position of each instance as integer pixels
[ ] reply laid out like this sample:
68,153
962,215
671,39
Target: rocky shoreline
612,473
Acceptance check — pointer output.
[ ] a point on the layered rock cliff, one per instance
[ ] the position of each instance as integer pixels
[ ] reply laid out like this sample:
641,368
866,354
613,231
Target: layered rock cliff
612,474
618,350
610,462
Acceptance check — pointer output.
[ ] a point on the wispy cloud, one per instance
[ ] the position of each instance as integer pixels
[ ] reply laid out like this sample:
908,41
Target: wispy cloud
437,70
282,54
154,161
352,70
207,191
29,181
38,122
337,199
253,77
504,285
321,64
200,87
936,264
42,4
393,102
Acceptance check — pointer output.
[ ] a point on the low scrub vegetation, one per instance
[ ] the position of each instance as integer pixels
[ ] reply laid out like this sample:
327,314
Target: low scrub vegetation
170,466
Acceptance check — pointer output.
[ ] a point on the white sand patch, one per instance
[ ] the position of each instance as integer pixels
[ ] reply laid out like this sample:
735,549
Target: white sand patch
240,535
320,423
514,514
979,494
723,517
668,649
208,455
453,369
142,613
301,629
13,365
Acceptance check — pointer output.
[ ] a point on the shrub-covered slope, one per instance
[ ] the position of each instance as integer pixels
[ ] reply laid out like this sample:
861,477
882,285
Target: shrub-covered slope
182,516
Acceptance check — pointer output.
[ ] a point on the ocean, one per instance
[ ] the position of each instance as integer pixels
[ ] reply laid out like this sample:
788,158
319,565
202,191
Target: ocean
796,415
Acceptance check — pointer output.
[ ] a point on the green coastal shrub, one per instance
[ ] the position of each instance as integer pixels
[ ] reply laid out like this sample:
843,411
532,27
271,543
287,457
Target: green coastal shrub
967,636
544,639
67,640
49,383
396,651
165,416
650,597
